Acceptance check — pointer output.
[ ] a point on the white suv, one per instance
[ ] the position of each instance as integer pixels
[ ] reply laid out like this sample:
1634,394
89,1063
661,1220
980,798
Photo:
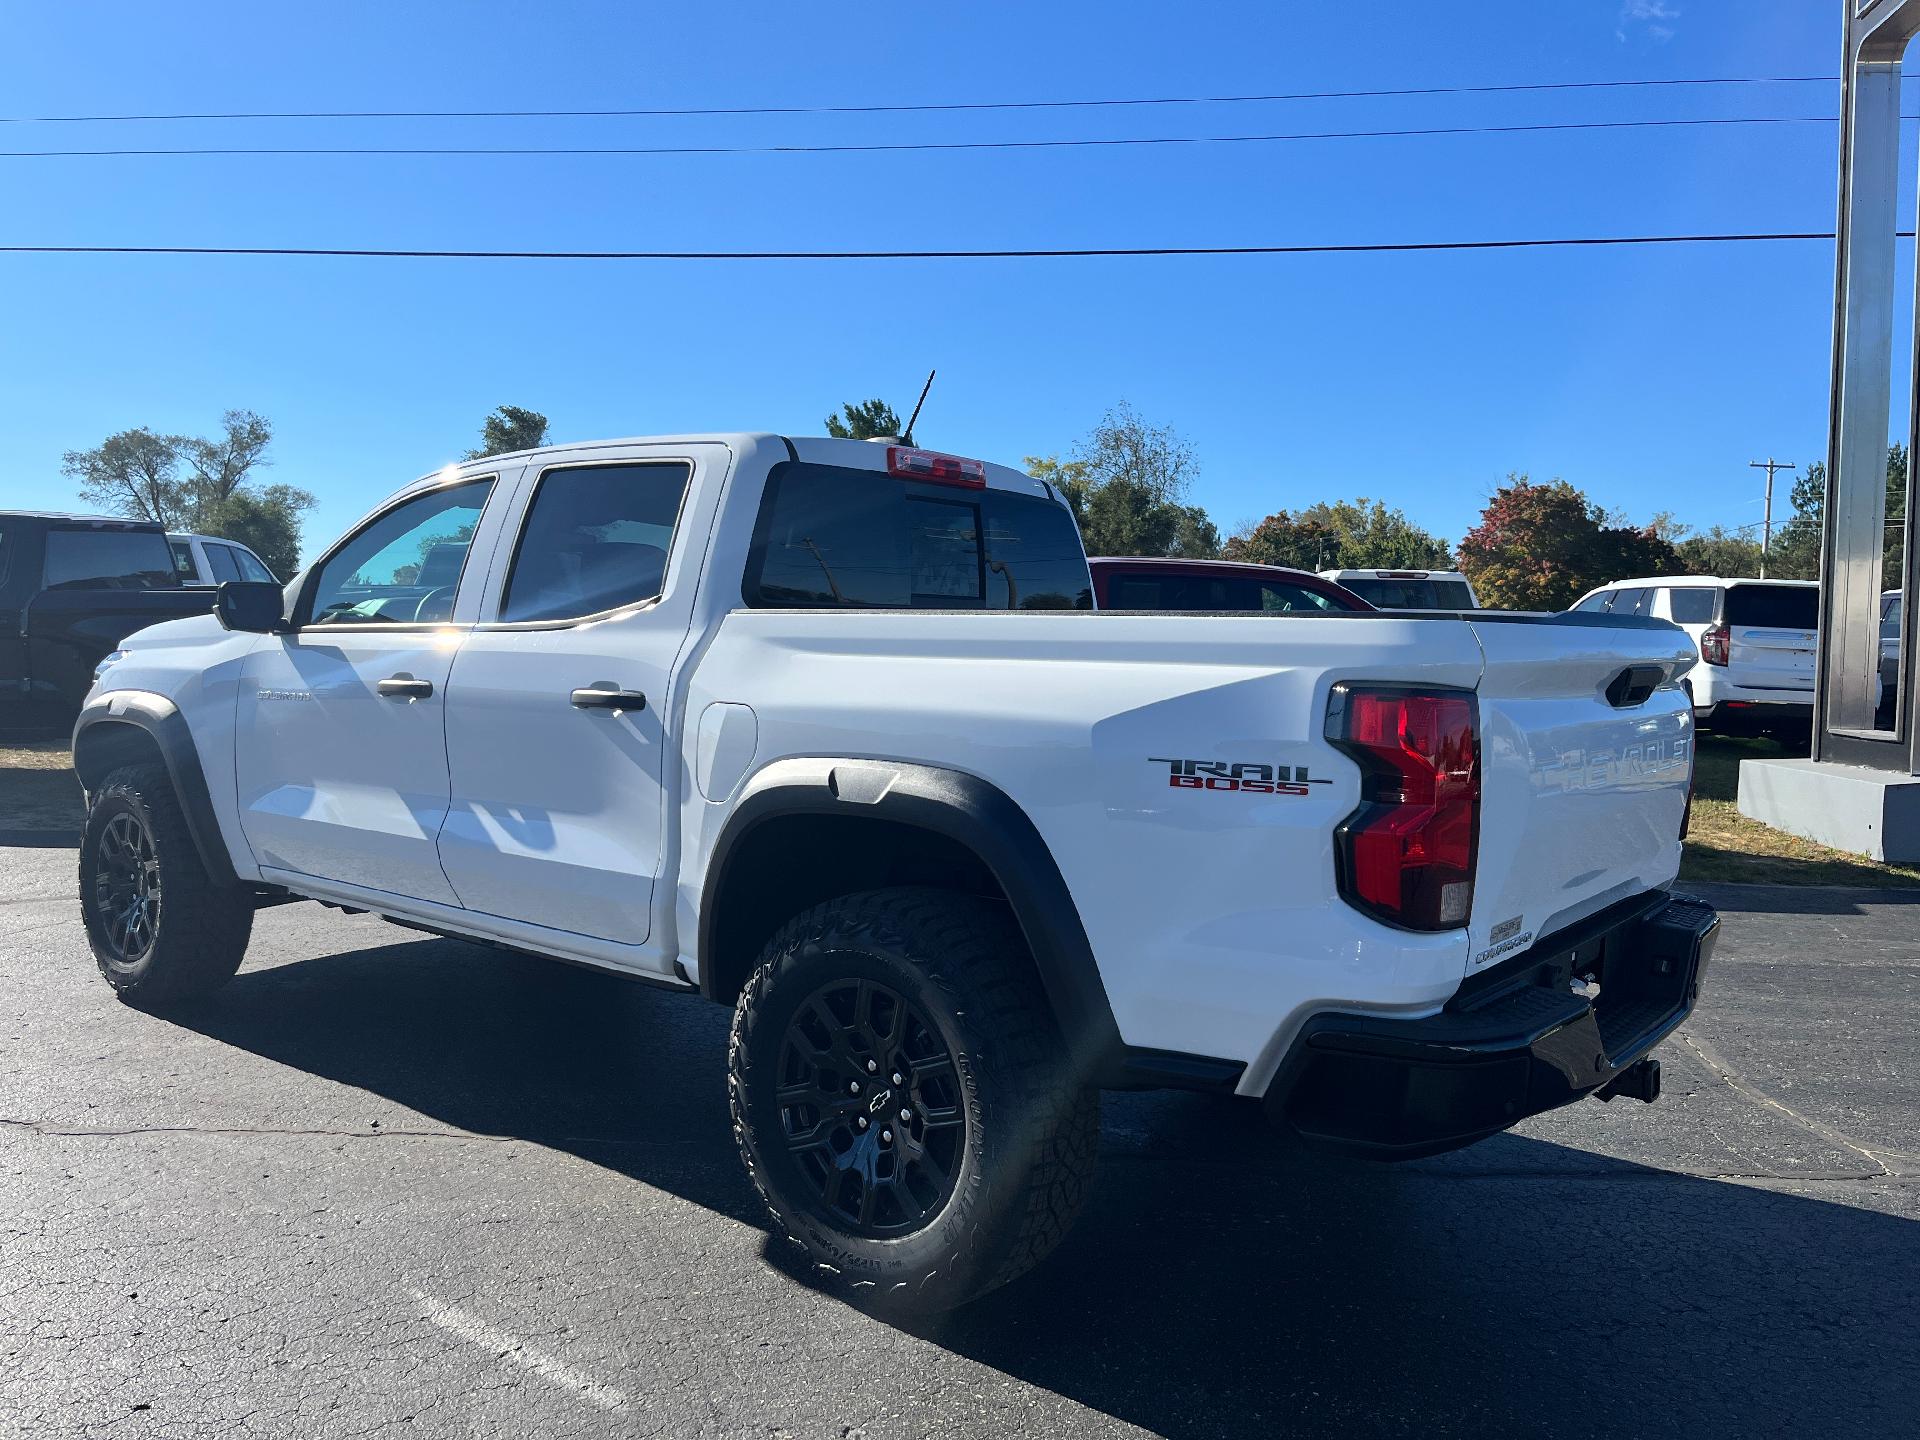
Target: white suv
1755,639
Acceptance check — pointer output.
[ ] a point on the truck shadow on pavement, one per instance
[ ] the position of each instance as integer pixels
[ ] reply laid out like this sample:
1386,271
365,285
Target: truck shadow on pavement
1220,1283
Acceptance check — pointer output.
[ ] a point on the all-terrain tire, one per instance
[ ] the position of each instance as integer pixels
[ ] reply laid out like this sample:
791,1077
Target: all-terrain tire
1021,1173
191,936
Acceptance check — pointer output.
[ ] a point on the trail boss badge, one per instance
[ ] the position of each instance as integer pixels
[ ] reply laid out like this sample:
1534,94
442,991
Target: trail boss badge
1252,776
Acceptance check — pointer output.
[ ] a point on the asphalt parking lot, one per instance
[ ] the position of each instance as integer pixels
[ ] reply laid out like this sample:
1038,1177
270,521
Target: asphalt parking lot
384,1184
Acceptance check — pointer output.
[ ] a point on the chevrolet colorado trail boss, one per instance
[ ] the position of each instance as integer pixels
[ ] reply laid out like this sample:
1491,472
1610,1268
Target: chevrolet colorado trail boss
828,731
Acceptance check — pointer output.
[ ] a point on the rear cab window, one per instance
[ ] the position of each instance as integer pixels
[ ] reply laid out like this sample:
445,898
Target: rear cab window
86,559
837,538
1774,607
220,559
1412,594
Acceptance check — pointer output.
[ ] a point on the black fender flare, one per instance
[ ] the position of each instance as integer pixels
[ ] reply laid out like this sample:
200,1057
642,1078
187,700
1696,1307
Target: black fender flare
94,756
973,813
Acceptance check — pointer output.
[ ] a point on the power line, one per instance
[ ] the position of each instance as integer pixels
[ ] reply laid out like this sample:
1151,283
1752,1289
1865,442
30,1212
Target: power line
928,108
1117,251
923,145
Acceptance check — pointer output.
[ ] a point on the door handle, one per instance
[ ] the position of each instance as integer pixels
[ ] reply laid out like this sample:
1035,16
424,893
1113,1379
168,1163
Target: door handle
616,700
404,687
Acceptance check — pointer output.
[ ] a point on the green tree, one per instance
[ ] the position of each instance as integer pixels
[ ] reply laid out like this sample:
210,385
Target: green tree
1127,484
1540,547
1715,552
510,428
188,482
265,520
135,472
1343,534
1795,552
864,421
1287,539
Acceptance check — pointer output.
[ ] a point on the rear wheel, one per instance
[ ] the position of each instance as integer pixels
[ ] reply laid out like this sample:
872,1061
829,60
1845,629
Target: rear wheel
160,927
901,1097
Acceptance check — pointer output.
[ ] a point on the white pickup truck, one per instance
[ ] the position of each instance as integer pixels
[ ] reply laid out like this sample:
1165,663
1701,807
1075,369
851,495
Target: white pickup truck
827,731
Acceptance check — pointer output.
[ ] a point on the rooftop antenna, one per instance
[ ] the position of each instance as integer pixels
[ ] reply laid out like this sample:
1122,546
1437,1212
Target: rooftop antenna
908,436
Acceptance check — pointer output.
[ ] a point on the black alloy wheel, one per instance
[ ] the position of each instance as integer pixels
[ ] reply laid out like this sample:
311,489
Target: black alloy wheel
870,1107
126,894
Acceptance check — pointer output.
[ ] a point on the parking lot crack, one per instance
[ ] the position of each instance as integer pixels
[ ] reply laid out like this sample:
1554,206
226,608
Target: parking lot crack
1888,1163
52,1130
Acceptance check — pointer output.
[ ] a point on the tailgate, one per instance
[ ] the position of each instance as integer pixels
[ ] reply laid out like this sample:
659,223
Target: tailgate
1581,790
1770,634
1769,659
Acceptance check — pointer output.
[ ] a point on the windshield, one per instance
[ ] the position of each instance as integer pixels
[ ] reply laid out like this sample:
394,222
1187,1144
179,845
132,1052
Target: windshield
1783,607
1413,594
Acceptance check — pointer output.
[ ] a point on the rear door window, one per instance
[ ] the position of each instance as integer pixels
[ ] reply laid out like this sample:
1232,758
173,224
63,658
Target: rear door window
1631,602
596,538
220,560
1691,605
856,538
252,567
108,560
1774,607
1596,603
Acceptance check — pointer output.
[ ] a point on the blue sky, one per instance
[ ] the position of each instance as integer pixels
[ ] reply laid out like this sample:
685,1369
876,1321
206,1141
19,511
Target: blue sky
1648,377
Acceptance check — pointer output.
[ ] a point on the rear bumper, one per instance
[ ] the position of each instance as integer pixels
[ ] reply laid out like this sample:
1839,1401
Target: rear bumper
1516,1041
1754,714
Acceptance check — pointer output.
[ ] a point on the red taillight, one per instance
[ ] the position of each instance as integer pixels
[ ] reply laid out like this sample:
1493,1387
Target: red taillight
1713,645
940,469
1406,855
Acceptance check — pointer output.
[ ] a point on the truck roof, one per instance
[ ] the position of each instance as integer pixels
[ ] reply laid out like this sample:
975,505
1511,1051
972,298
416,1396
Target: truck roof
63,517
816,449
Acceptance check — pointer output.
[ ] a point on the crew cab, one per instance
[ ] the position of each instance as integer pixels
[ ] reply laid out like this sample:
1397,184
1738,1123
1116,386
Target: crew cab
71,586
1133,582
829,732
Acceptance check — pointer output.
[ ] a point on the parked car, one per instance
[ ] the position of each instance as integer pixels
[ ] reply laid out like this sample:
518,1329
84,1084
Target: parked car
71,587
812,728
1408,589
1138,583
210,559
1755,640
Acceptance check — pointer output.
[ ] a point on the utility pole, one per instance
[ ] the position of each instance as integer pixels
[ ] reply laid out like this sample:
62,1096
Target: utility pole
1766,525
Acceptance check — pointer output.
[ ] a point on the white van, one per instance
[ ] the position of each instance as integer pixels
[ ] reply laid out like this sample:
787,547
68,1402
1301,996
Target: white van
1755,639
1408,589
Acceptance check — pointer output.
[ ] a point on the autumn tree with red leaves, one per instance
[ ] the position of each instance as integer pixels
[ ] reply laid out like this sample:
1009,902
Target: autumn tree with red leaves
1541,547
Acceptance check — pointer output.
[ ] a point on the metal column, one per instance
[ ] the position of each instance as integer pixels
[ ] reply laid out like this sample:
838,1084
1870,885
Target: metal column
1845,726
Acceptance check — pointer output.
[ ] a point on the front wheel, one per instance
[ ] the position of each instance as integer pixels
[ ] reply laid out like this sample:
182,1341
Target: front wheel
160,927
902,1100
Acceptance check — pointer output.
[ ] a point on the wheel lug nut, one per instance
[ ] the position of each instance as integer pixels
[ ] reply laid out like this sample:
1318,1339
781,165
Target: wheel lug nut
861,1123
853,1087
872,1065
906,1117
898,1078
887,1136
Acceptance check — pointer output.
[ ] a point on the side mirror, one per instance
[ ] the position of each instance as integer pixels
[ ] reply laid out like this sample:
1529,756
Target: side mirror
255,605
